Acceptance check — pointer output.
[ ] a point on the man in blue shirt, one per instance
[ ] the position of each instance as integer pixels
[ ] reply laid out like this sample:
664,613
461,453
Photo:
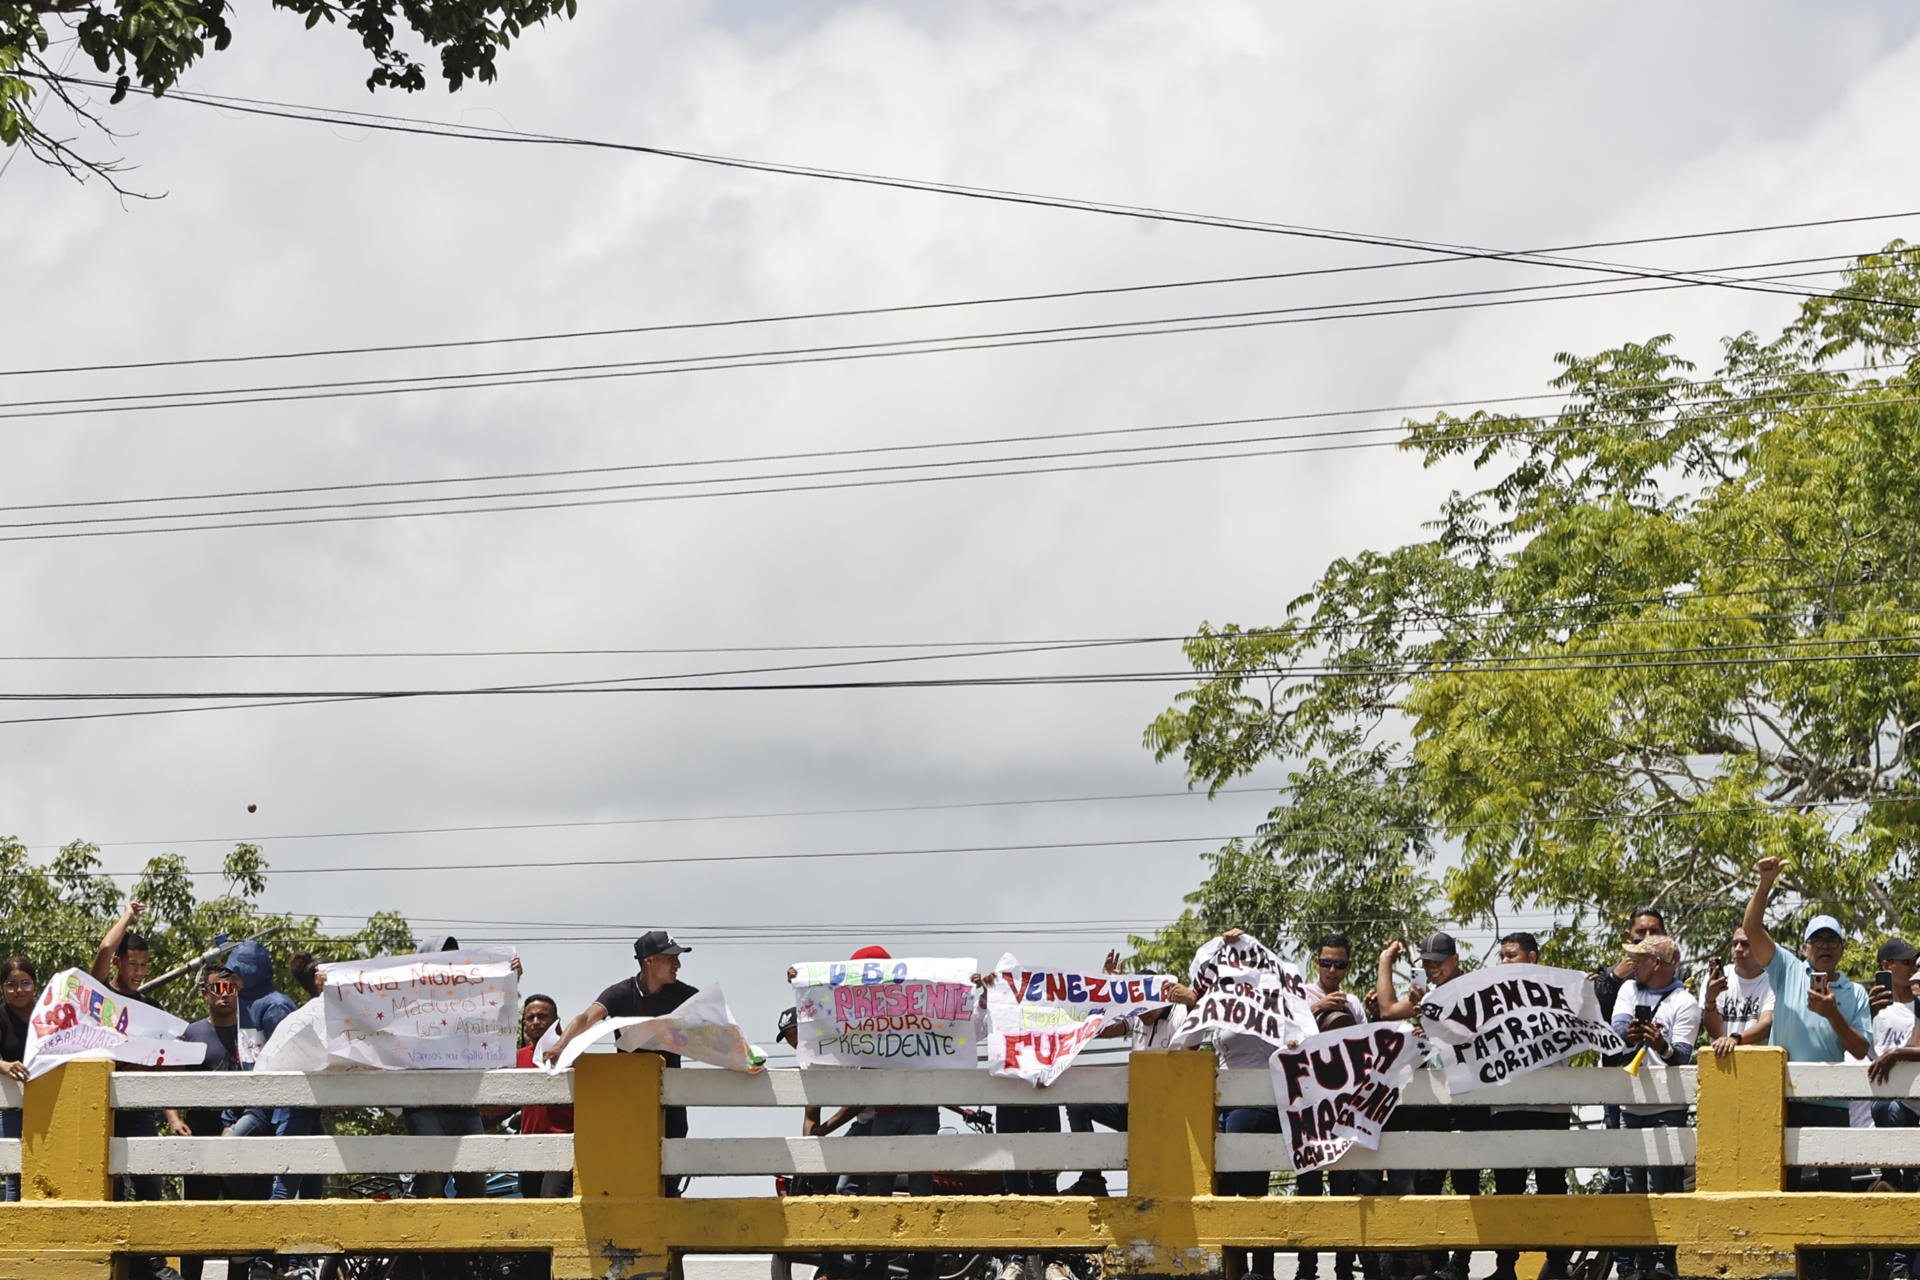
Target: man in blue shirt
1819,1014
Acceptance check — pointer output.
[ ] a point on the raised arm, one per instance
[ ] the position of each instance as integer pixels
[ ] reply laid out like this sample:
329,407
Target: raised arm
593,1013
1392,1007
1755,922
103,954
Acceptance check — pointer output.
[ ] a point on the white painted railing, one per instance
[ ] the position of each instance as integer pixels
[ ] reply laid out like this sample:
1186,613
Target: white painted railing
10,1097
1848,1147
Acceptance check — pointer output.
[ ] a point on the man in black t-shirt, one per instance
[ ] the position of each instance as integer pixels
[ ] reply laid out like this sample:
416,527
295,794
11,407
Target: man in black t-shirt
655,990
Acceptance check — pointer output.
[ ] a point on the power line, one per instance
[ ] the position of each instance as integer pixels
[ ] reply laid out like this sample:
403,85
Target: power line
409,125
831,353
689,489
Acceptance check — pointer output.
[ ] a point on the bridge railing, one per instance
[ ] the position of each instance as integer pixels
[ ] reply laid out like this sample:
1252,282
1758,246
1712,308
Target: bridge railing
1740,1222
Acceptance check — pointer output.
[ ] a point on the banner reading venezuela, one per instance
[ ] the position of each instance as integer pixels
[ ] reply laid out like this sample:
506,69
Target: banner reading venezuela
1040,1019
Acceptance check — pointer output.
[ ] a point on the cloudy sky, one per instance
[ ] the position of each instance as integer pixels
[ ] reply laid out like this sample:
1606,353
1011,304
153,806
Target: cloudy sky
1480,125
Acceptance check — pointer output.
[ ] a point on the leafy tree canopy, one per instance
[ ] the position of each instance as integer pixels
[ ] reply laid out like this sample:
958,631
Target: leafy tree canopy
55,914
149,44
1679,629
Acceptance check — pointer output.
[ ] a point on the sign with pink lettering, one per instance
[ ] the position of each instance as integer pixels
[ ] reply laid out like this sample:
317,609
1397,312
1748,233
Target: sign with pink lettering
78,1018
914,1014
1040,1019
442,1009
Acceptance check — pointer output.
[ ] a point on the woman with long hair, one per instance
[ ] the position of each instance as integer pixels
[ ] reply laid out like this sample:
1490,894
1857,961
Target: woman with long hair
19,985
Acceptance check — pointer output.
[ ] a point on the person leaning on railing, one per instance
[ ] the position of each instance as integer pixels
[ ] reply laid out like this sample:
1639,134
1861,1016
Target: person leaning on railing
1647,922
19,984
537,1013
219,1034
1660,1020
1150,1030
1736,1010
1333,1007
1819,1015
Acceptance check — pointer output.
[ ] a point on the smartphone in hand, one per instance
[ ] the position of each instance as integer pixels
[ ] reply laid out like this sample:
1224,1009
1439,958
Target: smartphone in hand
1884,980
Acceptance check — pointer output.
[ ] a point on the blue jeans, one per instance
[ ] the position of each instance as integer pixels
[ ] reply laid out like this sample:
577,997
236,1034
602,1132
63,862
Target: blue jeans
298,1122
1658,1179
10,1128
1248,1182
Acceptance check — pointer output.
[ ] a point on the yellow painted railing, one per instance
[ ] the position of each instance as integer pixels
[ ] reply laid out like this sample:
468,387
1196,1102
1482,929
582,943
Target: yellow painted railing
1738,1223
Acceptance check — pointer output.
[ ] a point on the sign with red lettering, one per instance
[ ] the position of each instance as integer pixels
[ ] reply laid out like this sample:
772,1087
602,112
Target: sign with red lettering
901,1014
78,1018
1337,1090
1505,1020
440,1009
1040,1019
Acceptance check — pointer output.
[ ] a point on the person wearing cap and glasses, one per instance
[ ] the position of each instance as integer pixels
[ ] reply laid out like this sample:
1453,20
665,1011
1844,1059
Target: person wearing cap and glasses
655,990
1658,1017
1440,961
1332,1005
1819,1014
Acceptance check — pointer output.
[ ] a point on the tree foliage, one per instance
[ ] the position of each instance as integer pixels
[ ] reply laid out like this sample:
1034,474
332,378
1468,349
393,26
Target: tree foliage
1679,629
149,44
55,913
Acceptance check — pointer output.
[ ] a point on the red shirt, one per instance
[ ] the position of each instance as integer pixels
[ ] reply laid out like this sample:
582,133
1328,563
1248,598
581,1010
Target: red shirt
542,1119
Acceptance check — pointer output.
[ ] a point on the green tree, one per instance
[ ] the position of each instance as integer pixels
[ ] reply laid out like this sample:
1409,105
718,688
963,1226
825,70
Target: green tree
1679,629
149,44
54,913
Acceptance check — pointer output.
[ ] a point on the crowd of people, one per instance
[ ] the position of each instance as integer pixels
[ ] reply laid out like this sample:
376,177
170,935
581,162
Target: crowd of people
1758,993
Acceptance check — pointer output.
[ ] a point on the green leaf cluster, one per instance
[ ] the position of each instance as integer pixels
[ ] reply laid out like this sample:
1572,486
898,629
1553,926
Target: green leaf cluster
55,913
1678,630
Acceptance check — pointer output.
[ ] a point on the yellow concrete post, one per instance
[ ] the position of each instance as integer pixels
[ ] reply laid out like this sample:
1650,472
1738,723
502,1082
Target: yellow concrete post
1170,1131
618,1128
66,1122
1742,1114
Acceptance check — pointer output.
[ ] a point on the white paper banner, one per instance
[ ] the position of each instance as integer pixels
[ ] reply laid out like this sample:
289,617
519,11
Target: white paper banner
1245,989
1243,953
76,1018
299,1043
1337,1090
1505,1020
702,1029
912,1014
1040,1019
441,1009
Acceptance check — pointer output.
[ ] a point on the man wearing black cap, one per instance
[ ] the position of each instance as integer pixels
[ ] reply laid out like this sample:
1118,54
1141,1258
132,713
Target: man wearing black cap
655,990
1440,961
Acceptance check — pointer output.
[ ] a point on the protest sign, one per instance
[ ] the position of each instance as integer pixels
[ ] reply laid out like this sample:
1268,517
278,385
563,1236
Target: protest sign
440,1009
1506,1020
1243,953
299,1043
702,1029
902,1014
1272,1006
1040,1019
78,1018
1338,1089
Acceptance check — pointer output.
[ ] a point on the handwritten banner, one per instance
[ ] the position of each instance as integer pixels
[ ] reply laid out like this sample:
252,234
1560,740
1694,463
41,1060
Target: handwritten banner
899,1014
441,1009
702,1029
1040,1019
1270,1011
76,1018
1338,1089
1218,956
1505,1020
299,1043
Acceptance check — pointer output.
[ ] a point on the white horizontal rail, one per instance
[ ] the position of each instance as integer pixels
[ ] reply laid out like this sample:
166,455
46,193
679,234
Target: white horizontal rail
1806,1080
1528,1149
145,1090
1898,1148
852,1086
939,1153
1581,1086
483,1154
10,1094
9,1155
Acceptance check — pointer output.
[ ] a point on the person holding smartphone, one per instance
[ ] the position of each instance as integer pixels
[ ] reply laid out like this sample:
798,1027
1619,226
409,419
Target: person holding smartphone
1737,1008
1657,1016
1894,1038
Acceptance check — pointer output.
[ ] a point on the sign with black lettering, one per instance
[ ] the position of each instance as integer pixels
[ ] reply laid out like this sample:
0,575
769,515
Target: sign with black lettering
1505,1020
1272,1006
1337,1090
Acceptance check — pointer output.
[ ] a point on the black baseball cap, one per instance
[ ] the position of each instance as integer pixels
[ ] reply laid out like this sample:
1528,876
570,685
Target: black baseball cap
655,942
1437,946
1900,950
789,1021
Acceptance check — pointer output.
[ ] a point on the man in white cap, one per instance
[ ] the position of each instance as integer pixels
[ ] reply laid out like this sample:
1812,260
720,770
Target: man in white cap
1819,1014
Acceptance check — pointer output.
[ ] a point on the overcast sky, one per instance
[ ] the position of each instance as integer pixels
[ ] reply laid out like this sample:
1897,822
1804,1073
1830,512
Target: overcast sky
1492,126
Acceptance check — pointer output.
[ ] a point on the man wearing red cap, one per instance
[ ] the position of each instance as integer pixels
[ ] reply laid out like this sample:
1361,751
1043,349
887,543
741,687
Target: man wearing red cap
887,1122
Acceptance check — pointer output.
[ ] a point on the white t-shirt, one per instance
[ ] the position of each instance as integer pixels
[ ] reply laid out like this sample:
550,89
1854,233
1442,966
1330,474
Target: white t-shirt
1743,1002
1892,1027
1677,1015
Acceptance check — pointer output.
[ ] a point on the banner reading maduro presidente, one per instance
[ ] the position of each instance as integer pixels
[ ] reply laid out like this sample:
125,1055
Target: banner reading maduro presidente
912,1014
78,1018
1505,1020
1040,1019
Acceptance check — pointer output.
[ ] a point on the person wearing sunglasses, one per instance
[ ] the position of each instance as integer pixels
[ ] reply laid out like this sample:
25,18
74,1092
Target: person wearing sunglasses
219,1031
1333,1006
